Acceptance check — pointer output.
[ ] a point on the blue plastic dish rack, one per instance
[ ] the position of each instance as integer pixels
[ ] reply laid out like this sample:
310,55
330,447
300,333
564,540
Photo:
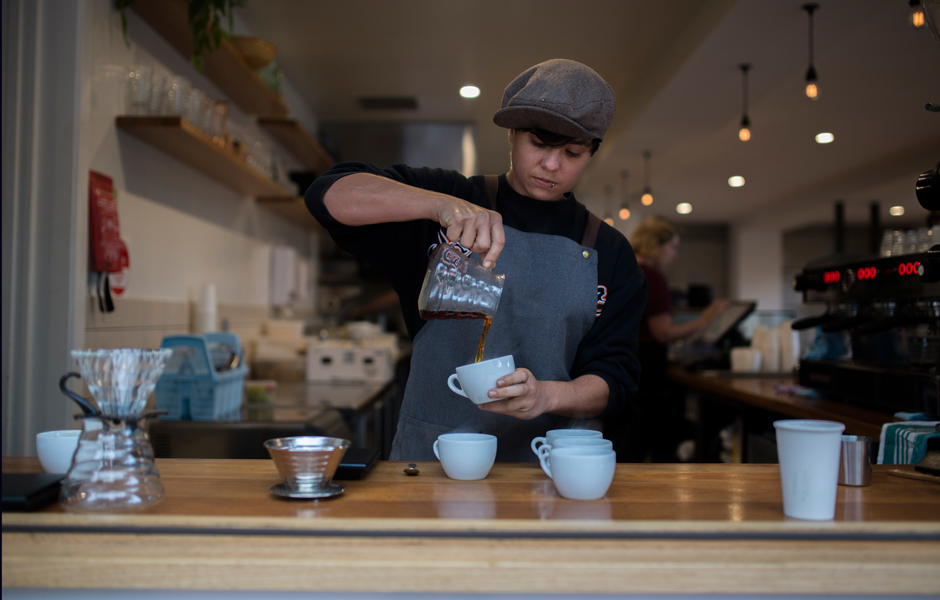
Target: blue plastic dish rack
199,382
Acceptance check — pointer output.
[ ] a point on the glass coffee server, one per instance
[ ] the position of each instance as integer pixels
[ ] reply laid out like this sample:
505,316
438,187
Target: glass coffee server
113,467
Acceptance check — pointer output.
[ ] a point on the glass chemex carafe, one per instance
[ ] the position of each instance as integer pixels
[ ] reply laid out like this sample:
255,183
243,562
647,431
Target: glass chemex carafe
113,467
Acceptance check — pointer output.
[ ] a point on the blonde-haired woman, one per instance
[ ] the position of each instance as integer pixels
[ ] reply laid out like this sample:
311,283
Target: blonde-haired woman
656,242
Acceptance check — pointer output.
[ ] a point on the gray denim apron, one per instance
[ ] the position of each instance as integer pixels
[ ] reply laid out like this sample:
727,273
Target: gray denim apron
548,304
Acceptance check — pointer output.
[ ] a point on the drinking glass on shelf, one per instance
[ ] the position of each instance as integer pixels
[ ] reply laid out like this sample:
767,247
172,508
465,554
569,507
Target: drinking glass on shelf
139,89
259,157
237,141
897,242
219,116
177,95
195,108
157,94
924,239
910,241
886,240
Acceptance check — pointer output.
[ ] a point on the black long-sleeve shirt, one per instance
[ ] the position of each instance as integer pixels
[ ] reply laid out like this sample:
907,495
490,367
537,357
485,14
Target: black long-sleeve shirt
400,250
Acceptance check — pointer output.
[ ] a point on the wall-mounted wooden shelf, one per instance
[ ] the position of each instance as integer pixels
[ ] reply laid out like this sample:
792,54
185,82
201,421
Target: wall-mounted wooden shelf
183,140
292,208
306,148
225,67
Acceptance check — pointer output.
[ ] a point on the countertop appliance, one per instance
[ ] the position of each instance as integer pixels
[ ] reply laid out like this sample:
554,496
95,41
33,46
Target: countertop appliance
887,312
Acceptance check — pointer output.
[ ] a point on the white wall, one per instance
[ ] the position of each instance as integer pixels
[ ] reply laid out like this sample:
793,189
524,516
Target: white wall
182,228
757,265
61,94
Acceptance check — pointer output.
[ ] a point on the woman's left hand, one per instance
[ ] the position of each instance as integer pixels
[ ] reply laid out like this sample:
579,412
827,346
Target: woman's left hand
524,396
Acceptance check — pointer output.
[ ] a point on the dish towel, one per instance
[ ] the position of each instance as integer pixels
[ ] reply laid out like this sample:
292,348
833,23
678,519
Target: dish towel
905,443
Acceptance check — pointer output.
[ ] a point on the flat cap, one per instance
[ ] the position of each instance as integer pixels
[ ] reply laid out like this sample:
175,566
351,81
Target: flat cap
559,95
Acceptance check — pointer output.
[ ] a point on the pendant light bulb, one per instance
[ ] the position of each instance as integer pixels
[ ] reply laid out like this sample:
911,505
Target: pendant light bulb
812,89
647,197
624,213
608,218
917,19
745,133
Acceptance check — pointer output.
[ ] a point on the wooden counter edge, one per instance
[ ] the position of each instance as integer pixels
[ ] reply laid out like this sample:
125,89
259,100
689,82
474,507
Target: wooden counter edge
366,527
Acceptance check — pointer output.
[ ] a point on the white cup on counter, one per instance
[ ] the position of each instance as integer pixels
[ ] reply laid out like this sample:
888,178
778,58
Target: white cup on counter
466,456
56,449
580,472
809,451
475,380
553,435
745,360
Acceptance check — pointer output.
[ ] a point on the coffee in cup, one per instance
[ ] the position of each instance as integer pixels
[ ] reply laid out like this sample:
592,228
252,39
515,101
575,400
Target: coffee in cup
580,472
466,456
475,380
554,434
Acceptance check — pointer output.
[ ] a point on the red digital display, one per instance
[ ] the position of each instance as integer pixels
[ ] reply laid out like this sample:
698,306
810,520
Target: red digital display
831,277
867,273
908,268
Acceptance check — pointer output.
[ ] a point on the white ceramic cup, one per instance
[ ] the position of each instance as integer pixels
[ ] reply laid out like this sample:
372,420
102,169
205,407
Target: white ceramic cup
56,449
476,379
579,442
580,472
808,452
554,434
746,360
466,456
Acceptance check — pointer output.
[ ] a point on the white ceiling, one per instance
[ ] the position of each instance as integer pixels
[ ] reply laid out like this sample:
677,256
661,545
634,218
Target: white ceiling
674,66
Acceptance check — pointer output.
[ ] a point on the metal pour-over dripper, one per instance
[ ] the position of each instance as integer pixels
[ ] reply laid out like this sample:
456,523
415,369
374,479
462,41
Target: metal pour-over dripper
113,467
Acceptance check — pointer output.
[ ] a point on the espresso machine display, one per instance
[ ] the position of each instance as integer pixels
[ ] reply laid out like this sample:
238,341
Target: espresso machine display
880,333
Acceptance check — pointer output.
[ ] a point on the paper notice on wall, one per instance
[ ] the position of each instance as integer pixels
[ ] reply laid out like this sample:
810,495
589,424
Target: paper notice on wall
283,275
303,279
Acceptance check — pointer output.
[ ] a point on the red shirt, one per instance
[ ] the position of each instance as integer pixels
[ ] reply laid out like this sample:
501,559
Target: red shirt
657,302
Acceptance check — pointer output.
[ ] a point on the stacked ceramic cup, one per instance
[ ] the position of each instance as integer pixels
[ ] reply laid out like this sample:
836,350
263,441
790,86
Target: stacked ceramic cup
580,462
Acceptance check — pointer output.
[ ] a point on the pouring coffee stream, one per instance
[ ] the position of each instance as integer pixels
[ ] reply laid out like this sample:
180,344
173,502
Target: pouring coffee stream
457,287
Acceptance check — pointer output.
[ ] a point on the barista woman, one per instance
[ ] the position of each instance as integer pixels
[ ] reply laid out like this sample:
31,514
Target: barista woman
573,293
658,429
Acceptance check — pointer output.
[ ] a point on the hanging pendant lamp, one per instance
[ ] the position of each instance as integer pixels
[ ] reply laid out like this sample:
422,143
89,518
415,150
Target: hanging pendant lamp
624,206
608,215
745,133
647,197
917,18
812,90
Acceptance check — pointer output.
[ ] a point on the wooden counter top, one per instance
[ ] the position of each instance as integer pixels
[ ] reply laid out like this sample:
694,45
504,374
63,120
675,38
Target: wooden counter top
761,392
661,528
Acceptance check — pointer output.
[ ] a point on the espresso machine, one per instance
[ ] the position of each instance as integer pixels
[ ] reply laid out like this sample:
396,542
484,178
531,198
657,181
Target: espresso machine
883,317
888,312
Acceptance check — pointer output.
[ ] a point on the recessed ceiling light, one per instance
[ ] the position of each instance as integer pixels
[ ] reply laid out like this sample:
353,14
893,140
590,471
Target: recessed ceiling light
469,91
736,181
896,211
684,208
824,138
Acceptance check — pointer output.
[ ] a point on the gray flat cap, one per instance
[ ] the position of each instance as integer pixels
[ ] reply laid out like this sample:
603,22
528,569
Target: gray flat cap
561,96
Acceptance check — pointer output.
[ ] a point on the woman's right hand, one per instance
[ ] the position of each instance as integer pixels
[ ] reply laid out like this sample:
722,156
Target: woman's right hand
473,227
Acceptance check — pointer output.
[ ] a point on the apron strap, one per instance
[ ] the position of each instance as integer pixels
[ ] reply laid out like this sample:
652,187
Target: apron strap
590,230
492,187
